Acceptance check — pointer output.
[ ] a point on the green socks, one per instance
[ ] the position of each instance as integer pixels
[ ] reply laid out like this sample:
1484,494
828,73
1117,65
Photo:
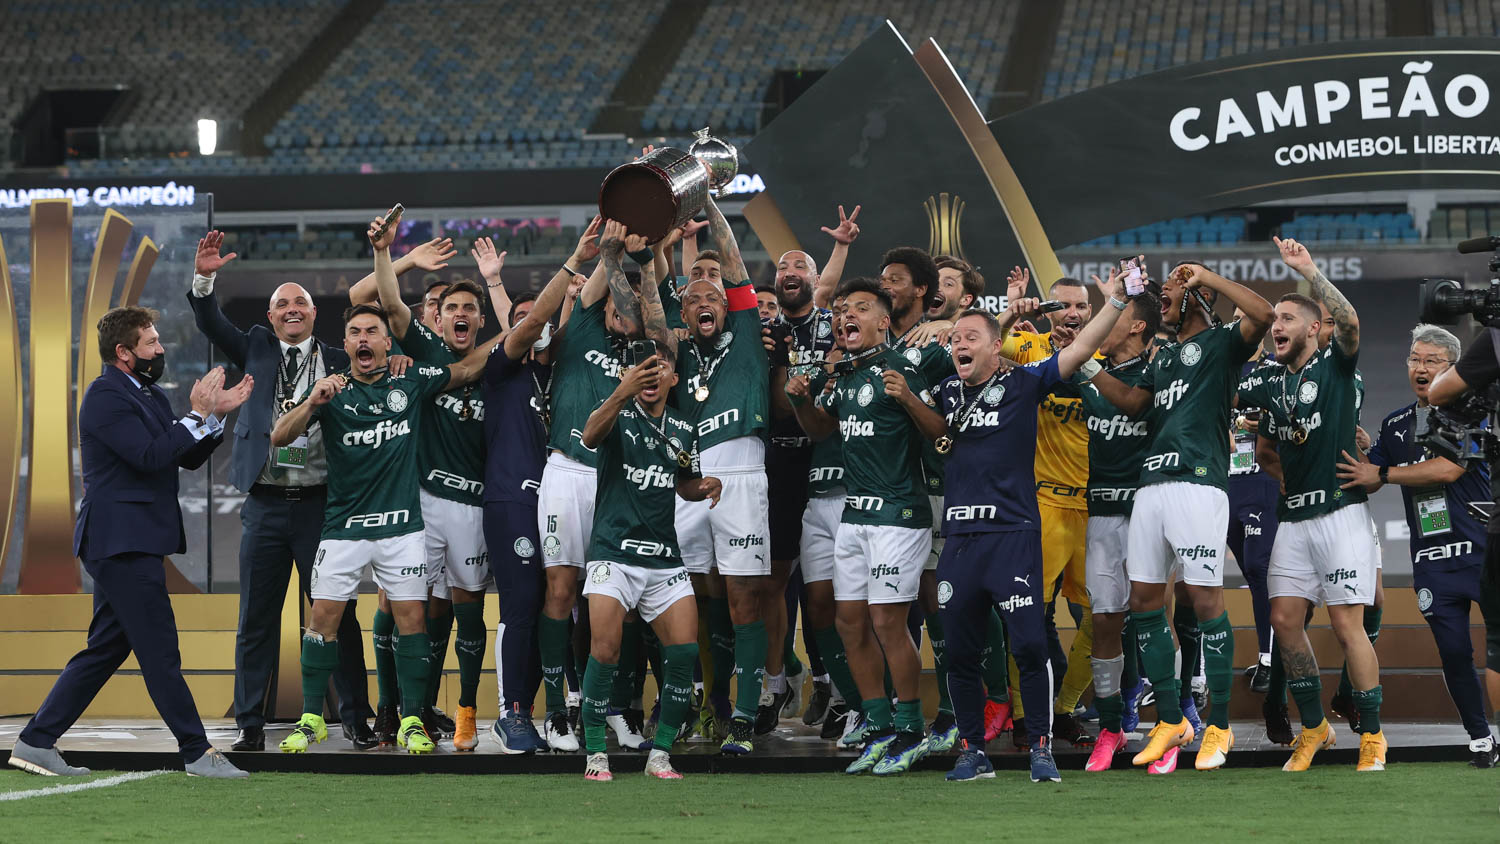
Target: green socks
1130,674
721,647
790,663
749,665
319,659
1276,682
909,716
1217,639
1159,662
598,679
383,632
438,630
413,665
623,690
1189,639
1308,693
469,645
878,714
939,662
1368,704
996,661
836,661
552,642
677,692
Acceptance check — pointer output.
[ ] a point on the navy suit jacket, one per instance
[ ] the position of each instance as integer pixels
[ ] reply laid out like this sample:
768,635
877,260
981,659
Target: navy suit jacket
257,353
132,446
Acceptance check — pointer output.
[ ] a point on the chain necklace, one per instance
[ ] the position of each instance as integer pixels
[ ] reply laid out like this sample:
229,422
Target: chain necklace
944,444
288,392
1298,431
683,459
705,376
542,396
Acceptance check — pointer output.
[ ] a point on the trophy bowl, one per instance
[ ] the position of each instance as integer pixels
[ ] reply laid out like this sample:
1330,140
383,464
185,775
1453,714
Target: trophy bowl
719,156
656,194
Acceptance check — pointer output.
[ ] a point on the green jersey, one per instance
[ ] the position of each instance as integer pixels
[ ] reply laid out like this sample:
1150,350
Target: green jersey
637,489
1311,415
587,368
935,363
825,475
450,457
1117,444
671,300
1193,384
882,447
732,377
371,434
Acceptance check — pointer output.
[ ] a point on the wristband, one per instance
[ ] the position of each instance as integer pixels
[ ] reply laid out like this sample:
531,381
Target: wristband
569,270
1385,474
643,257
1090,368
1119,306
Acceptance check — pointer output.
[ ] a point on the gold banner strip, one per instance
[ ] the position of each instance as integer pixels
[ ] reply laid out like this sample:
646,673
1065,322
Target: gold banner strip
140,270
114,232
47,561
1036,248
772,229
11,418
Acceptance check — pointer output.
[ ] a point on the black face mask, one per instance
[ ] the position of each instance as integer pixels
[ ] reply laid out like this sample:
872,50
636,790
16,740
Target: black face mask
148,371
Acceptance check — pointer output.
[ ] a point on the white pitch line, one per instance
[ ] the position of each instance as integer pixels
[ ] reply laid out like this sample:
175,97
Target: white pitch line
78,786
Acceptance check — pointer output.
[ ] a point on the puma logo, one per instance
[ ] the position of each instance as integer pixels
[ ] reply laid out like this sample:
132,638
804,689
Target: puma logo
1218,650
1026,581
1255,516
1211,569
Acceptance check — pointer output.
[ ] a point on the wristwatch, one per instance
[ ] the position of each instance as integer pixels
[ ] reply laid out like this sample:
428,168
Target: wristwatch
1385,474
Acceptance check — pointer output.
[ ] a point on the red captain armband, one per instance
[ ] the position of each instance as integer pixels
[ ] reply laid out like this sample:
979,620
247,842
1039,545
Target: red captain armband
741,298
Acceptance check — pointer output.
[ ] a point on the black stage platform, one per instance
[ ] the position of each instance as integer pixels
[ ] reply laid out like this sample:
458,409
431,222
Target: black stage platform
791,749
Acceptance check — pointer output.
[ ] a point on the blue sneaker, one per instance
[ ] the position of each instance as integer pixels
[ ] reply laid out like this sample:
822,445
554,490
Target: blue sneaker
902,754
516,734
1190,712
972,764
874,751
1131,718
1043,766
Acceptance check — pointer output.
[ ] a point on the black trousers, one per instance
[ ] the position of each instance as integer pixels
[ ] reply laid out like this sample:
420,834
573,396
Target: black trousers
278,533
131,613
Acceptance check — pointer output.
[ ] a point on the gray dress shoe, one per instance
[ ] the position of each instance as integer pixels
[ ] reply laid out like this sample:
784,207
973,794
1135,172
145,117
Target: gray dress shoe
214,765
44,761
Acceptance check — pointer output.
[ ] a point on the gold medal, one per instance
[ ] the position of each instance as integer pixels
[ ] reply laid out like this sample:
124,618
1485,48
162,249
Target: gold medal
1298,435
287,405
684,460
701,394
464,413
943,445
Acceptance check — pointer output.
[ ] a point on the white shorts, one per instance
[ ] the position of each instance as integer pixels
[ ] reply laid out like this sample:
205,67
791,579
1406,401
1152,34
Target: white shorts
1178,527
456,556
1104,571
397,561
732,536
879,564
648,591
820,531
935,502
1329,559
565,511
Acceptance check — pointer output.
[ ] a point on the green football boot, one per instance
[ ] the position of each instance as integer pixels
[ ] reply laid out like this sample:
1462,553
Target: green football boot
413,736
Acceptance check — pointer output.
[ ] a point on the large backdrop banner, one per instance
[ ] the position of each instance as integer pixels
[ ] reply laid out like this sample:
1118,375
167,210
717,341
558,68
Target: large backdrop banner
893,129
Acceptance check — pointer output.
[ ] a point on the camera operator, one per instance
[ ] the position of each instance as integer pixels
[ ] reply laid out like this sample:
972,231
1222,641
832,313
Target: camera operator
1477,369
1446,540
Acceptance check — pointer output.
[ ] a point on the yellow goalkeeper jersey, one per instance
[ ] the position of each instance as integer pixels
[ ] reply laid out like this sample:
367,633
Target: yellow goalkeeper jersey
1062,446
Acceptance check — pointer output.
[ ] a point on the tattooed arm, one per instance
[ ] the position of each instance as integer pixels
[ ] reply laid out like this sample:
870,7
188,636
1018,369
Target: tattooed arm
612,247
1322,291
732,265
653,314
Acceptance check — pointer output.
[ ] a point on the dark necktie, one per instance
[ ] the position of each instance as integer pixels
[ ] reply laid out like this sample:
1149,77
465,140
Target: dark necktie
291,366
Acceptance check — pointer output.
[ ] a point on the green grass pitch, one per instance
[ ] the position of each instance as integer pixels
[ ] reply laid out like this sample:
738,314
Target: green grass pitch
1407,803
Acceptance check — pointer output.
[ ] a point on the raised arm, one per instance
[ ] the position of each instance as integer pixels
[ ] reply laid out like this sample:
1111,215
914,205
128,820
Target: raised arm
611,249
430,257
396,311
731,264
529,330
489,263
1345,320
632,382
833,271
228,339
653,312
1258,312
1083,347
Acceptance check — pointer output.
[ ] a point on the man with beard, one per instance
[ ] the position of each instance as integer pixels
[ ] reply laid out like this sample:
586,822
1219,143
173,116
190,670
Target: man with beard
1062,475
723,386
1447,543
1181,511
993,557
587,359
910,277
808,339
881,410
1325,547
959,287
517,388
